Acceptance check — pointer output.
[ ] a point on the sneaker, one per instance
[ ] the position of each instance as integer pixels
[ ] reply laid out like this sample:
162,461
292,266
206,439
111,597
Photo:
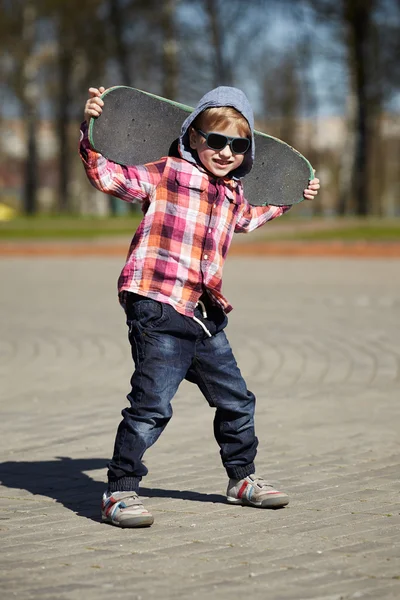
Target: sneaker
255,491
125,509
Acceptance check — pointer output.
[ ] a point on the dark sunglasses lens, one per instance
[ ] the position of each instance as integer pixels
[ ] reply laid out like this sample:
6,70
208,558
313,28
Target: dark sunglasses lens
216,141
240,145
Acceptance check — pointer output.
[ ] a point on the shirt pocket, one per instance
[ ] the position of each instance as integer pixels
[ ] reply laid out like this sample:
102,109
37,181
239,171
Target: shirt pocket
189,192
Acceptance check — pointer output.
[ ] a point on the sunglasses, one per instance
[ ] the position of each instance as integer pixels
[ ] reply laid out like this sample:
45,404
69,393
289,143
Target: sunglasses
218,141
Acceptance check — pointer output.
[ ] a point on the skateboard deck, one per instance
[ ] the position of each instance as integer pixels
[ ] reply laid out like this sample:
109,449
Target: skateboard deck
137,127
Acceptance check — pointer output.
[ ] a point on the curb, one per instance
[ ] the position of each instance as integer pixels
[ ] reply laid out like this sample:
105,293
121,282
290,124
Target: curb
282,248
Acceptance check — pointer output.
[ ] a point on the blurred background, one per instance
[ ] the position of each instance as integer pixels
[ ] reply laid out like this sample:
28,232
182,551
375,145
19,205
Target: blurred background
323,75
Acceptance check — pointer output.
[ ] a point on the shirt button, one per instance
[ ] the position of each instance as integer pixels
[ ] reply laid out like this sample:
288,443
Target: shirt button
215,206
205,256
209,231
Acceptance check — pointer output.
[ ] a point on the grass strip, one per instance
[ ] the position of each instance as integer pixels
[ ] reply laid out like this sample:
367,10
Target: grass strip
91,228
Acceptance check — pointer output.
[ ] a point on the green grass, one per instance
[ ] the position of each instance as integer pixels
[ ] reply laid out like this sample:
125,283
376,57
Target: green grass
369,233
312,229
48,228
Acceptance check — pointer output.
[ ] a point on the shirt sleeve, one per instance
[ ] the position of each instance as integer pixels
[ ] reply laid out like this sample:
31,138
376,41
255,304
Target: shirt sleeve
129,183
252,217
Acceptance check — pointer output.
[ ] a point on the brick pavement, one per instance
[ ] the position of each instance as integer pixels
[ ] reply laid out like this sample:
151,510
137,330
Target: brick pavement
318,342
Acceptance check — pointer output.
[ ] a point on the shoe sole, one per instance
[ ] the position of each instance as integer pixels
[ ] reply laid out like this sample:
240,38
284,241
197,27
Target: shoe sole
134,523
273,502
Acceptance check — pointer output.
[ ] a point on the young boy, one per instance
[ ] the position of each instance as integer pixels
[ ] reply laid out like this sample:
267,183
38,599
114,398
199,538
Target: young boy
170,288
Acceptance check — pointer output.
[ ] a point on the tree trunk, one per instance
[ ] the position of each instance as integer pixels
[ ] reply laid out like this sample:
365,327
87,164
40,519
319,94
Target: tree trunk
64,103
170,50
31,164
30,95
222,72
346,159
358,18
121,51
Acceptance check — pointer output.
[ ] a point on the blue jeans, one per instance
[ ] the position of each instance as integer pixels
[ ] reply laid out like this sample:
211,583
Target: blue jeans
168,347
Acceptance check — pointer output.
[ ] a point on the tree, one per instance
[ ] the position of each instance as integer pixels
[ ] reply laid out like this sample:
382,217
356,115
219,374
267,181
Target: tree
19,23
373,75
118,43
79,32
357,16
30,98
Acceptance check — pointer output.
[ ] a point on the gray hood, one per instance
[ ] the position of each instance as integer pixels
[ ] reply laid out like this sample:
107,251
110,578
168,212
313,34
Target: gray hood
220,96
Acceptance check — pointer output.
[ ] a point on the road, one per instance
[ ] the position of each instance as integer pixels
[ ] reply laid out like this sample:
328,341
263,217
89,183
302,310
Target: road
317,340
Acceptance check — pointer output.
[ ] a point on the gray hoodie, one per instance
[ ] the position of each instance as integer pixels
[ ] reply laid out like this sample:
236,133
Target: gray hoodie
220,96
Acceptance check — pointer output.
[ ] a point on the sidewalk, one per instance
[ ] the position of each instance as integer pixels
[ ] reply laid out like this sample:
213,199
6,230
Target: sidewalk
241,246
318,343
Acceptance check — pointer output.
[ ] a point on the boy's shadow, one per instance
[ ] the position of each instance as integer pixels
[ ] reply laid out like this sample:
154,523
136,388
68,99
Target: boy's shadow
65,480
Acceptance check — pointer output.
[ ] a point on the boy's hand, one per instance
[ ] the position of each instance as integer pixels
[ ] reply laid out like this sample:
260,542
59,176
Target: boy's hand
312,190
94,105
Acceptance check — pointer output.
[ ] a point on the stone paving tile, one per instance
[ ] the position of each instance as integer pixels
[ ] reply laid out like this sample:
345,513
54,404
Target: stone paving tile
318,342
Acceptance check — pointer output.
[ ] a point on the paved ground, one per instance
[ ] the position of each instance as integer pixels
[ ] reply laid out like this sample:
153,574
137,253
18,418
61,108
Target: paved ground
318,341
242,246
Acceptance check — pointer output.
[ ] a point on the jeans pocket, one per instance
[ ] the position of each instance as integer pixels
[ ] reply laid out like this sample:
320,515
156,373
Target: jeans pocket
147,313
135,337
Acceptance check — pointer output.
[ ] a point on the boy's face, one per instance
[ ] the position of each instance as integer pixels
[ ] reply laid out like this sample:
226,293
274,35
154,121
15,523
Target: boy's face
217,162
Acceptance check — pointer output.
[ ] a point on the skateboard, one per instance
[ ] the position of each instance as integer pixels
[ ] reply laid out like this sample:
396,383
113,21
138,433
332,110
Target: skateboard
137,127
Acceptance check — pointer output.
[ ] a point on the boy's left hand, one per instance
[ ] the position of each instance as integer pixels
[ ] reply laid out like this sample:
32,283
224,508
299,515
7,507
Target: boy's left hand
312,190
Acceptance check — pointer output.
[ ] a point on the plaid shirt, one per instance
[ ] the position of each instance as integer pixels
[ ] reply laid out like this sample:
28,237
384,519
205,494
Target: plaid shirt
179,249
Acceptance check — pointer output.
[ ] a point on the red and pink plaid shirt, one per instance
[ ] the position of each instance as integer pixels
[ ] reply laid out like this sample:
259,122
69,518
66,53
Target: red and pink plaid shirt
179,248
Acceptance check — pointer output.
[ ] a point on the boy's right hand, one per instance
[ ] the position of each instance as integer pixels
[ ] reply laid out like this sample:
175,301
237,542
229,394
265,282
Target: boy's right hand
94,105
